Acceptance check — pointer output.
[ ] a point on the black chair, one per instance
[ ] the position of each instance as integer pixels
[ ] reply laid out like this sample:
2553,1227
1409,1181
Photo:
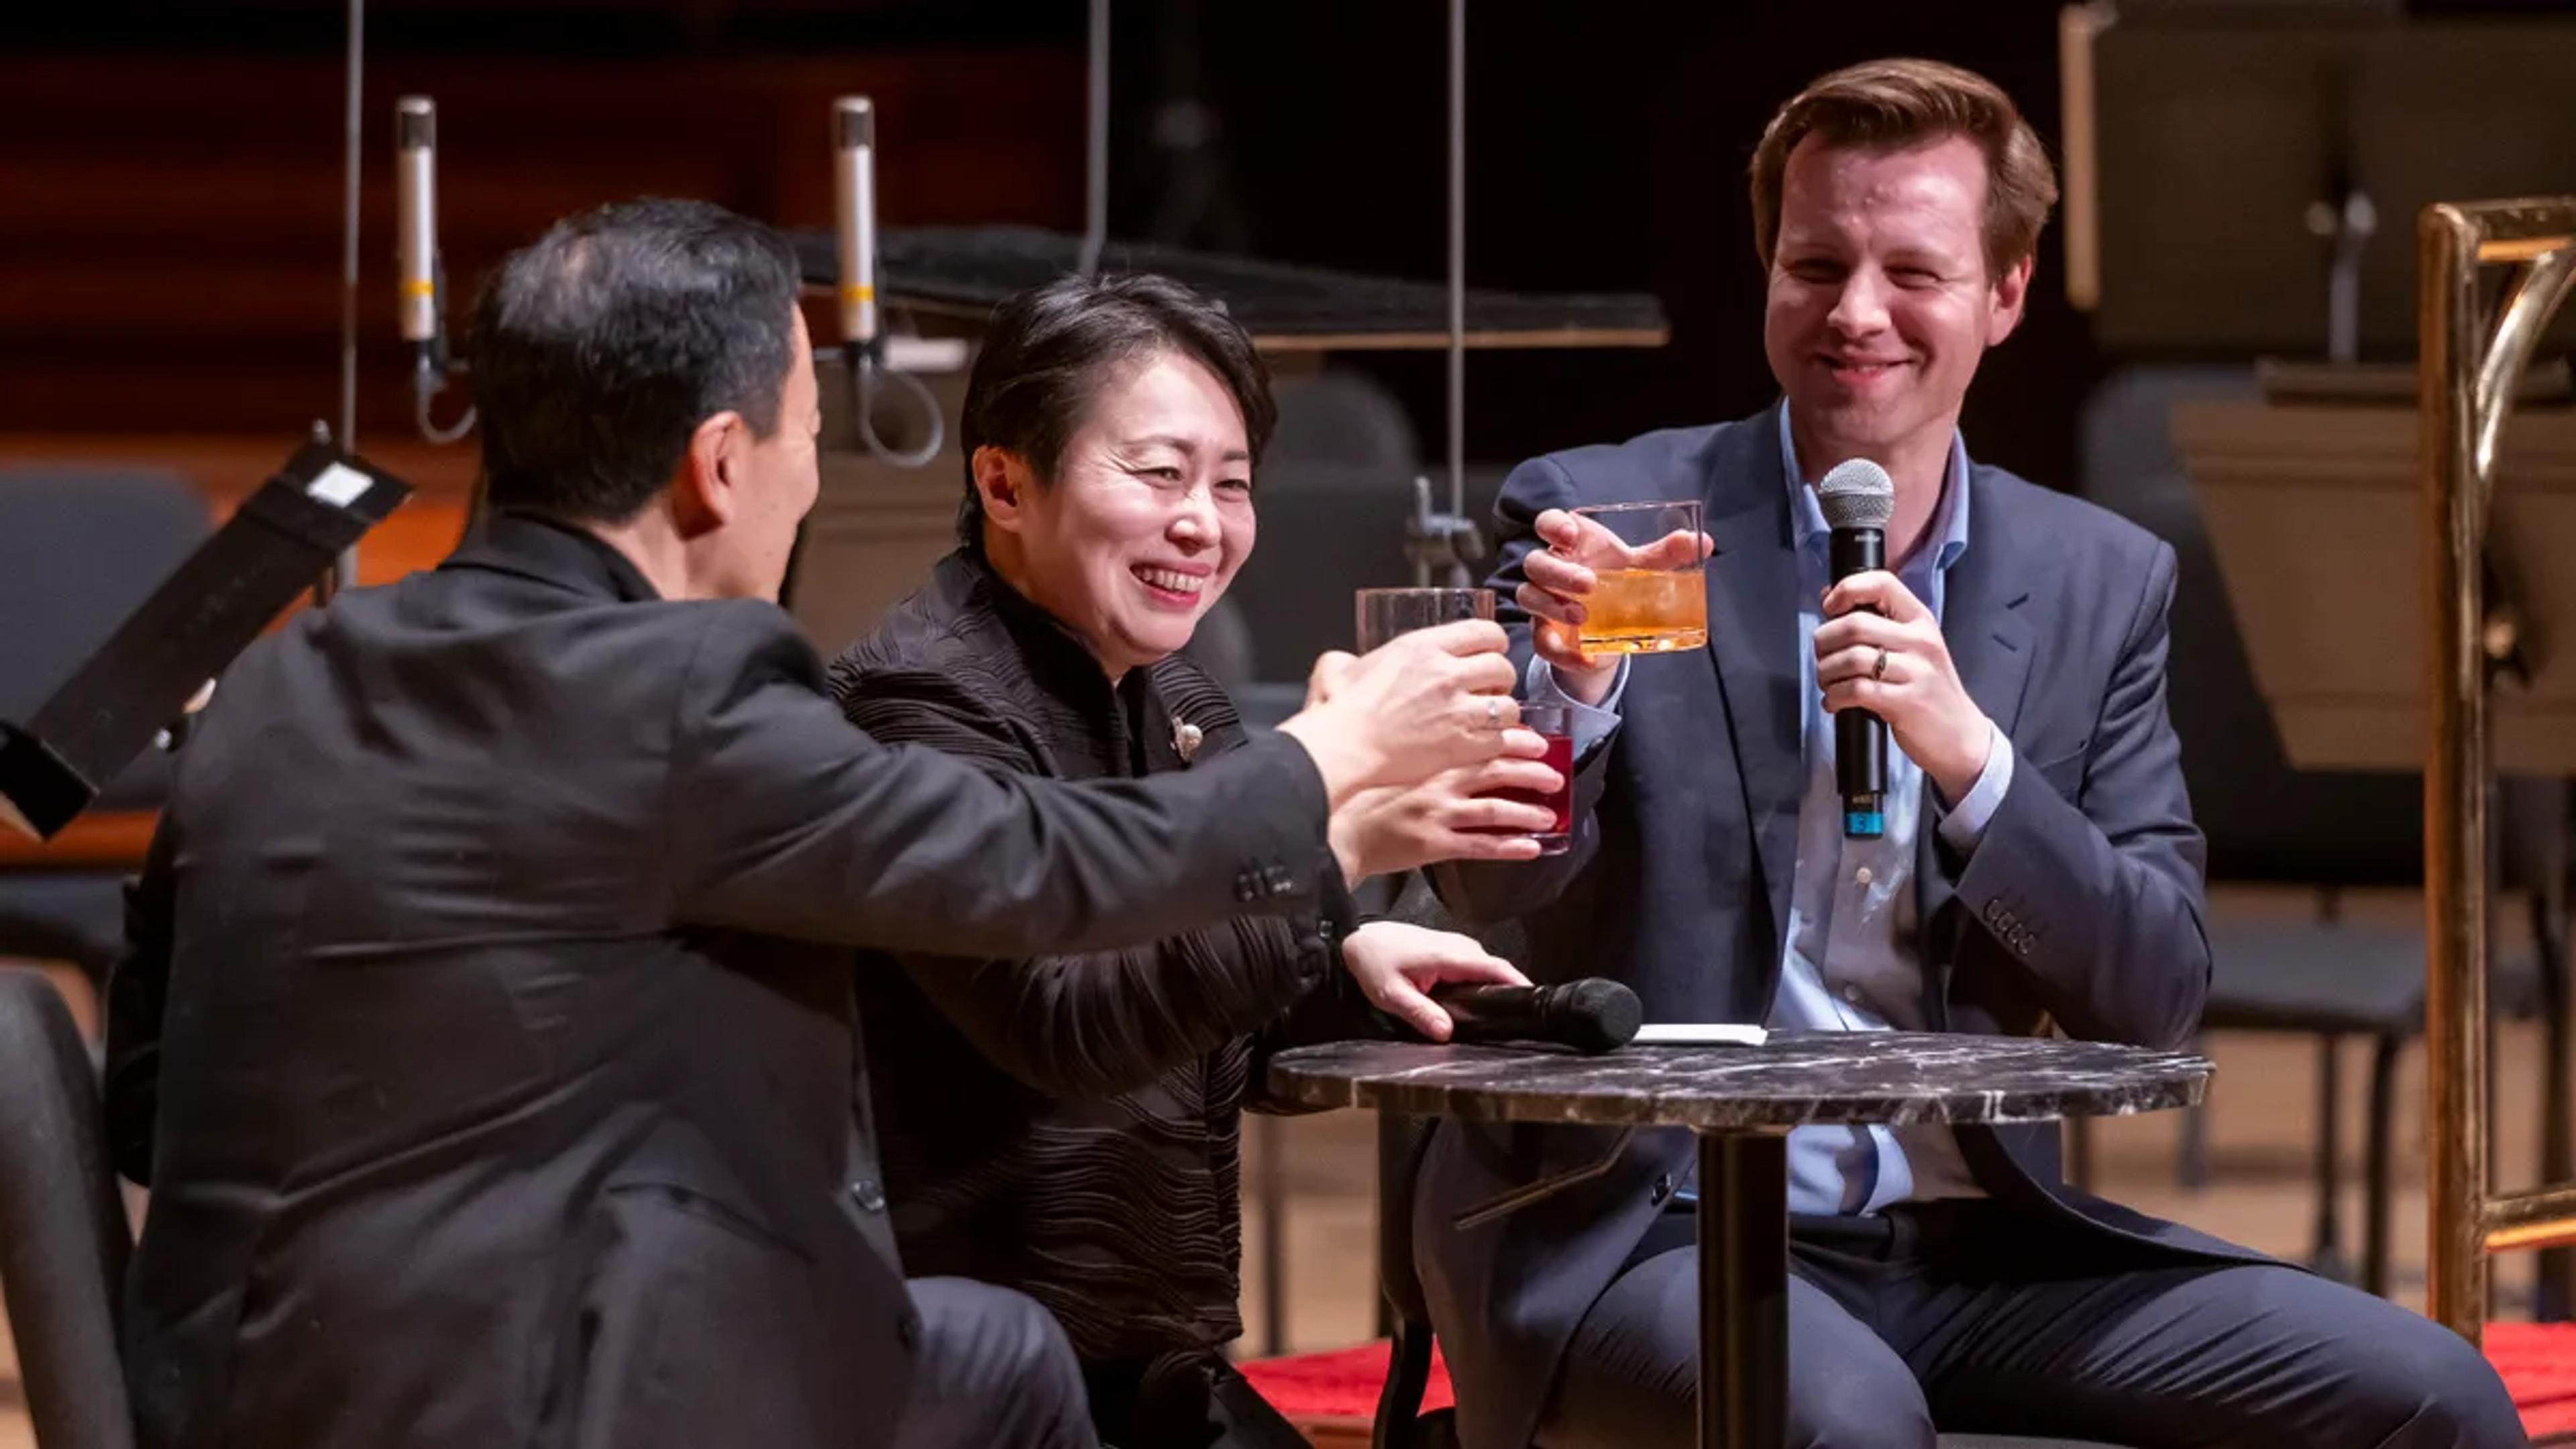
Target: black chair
79,549
63,1236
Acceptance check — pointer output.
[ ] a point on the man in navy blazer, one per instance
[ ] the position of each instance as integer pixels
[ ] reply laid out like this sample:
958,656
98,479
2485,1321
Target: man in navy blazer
2039,872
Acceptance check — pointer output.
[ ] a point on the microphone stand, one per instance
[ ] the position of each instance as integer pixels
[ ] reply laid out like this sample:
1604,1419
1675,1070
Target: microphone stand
1441,545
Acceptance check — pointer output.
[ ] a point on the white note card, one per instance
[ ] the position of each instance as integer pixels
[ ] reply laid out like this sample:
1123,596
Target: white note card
1700,1033
339,485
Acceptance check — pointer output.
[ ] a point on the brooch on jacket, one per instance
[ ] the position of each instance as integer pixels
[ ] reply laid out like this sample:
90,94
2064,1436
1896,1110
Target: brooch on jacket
1185,739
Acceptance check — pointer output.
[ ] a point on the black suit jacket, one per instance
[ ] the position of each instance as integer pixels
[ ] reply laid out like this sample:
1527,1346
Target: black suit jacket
482,1102
2080,910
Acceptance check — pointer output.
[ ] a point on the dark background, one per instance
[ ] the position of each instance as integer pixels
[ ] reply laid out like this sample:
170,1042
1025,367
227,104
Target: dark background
171,173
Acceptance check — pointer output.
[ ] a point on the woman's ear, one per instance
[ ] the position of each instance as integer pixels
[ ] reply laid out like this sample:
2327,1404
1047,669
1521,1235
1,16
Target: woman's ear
1003,483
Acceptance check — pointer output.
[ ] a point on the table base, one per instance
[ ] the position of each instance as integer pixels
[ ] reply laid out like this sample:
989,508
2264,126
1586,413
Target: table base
1743,1290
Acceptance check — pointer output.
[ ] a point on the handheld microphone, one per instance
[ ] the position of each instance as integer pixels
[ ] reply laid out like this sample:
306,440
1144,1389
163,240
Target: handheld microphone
1858,499
1592,1015
854,213
416,225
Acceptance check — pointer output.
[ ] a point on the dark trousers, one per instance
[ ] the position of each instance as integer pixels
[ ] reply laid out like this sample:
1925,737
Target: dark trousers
992,1371
1969,1317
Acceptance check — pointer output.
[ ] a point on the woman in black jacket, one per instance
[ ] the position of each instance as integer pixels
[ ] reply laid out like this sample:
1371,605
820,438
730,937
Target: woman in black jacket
1066,1126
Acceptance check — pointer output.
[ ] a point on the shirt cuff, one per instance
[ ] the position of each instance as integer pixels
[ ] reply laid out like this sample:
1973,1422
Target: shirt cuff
1965,825
1591,723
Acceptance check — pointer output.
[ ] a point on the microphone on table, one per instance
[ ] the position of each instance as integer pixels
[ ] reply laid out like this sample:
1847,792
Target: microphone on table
1858,499
1592,1015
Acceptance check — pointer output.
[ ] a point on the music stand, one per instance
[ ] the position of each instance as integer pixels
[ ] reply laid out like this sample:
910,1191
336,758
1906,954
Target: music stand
2211,151
2316,516
54,763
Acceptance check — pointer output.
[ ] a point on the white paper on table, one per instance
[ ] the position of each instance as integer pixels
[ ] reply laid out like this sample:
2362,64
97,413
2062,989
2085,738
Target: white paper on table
1700,1033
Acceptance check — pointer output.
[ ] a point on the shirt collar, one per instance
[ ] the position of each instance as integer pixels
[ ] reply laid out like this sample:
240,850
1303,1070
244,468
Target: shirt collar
539,546
1949,516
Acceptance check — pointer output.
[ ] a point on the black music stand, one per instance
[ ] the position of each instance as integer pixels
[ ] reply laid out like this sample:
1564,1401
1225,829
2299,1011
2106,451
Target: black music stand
283,537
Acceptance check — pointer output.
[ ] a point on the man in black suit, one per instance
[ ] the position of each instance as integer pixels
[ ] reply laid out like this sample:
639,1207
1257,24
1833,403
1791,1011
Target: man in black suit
481,1098
2038,872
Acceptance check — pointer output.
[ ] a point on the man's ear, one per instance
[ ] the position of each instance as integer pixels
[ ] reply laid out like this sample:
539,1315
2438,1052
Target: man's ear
1003,482
2012,289
706,495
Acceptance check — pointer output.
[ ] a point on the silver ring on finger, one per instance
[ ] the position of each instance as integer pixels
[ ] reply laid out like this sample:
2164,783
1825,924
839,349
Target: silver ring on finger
1879,669
1493,713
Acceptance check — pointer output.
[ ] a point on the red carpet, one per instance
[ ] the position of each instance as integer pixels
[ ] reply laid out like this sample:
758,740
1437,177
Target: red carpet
1337,1385
2537,1361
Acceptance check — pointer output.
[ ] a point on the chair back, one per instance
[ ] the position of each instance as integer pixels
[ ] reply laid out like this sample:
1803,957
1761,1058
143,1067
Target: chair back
63,1235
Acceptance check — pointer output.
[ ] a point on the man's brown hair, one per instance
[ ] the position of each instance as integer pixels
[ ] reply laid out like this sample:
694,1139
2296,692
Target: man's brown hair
1888,104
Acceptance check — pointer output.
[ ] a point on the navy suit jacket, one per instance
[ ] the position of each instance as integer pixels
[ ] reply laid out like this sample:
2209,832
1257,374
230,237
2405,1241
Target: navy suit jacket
2078,912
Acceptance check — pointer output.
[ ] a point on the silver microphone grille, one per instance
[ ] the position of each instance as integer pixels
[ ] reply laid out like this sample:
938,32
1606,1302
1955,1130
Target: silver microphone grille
854,122
415,123
1857,494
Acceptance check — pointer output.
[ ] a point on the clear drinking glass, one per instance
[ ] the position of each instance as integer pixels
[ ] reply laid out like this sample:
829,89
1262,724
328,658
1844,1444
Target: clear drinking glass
1385,613
1553,723
1650,594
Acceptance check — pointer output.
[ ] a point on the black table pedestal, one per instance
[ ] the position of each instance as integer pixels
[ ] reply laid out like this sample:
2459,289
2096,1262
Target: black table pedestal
1743,1290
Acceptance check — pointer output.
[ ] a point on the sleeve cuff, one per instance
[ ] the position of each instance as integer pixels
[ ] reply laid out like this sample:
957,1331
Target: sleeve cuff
1966,823
1593,723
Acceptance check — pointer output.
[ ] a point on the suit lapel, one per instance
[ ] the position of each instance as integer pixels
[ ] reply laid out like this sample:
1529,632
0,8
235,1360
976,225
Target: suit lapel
1753,641
1981,616
1991,643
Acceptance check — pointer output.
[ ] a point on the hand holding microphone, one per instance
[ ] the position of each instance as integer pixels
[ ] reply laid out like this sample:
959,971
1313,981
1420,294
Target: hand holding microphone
1882,662
1592,1016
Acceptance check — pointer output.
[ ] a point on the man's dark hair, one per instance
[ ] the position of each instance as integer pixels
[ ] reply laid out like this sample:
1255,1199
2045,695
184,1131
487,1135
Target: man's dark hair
1051,347
600,348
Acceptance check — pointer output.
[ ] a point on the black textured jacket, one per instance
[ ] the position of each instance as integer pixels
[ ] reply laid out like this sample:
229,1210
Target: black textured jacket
1066,1124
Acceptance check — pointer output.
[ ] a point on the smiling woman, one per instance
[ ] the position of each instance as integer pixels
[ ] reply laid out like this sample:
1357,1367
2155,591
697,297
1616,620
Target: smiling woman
1067,1125
1109,432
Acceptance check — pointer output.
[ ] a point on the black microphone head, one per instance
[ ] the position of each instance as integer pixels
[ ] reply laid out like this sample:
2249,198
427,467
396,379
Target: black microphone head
1857,493
1596,1015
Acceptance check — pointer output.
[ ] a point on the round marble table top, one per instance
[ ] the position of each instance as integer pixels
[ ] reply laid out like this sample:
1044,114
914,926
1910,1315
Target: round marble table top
1883,1077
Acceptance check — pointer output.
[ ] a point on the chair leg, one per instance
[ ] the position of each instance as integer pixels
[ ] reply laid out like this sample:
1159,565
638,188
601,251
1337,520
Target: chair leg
1273,1207
2554,1271
2326,1254
2379,1169
1399,1400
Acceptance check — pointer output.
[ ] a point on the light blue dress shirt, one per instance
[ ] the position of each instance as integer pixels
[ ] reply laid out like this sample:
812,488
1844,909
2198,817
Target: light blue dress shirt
1849,959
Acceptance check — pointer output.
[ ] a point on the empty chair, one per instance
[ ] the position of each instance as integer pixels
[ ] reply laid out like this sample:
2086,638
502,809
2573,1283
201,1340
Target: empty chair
63,1236
79,549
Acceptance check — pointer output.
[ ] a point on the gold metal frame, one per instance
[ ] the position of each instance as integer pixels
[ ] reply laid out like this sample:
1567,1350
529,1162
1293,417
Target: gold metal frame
2468,371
